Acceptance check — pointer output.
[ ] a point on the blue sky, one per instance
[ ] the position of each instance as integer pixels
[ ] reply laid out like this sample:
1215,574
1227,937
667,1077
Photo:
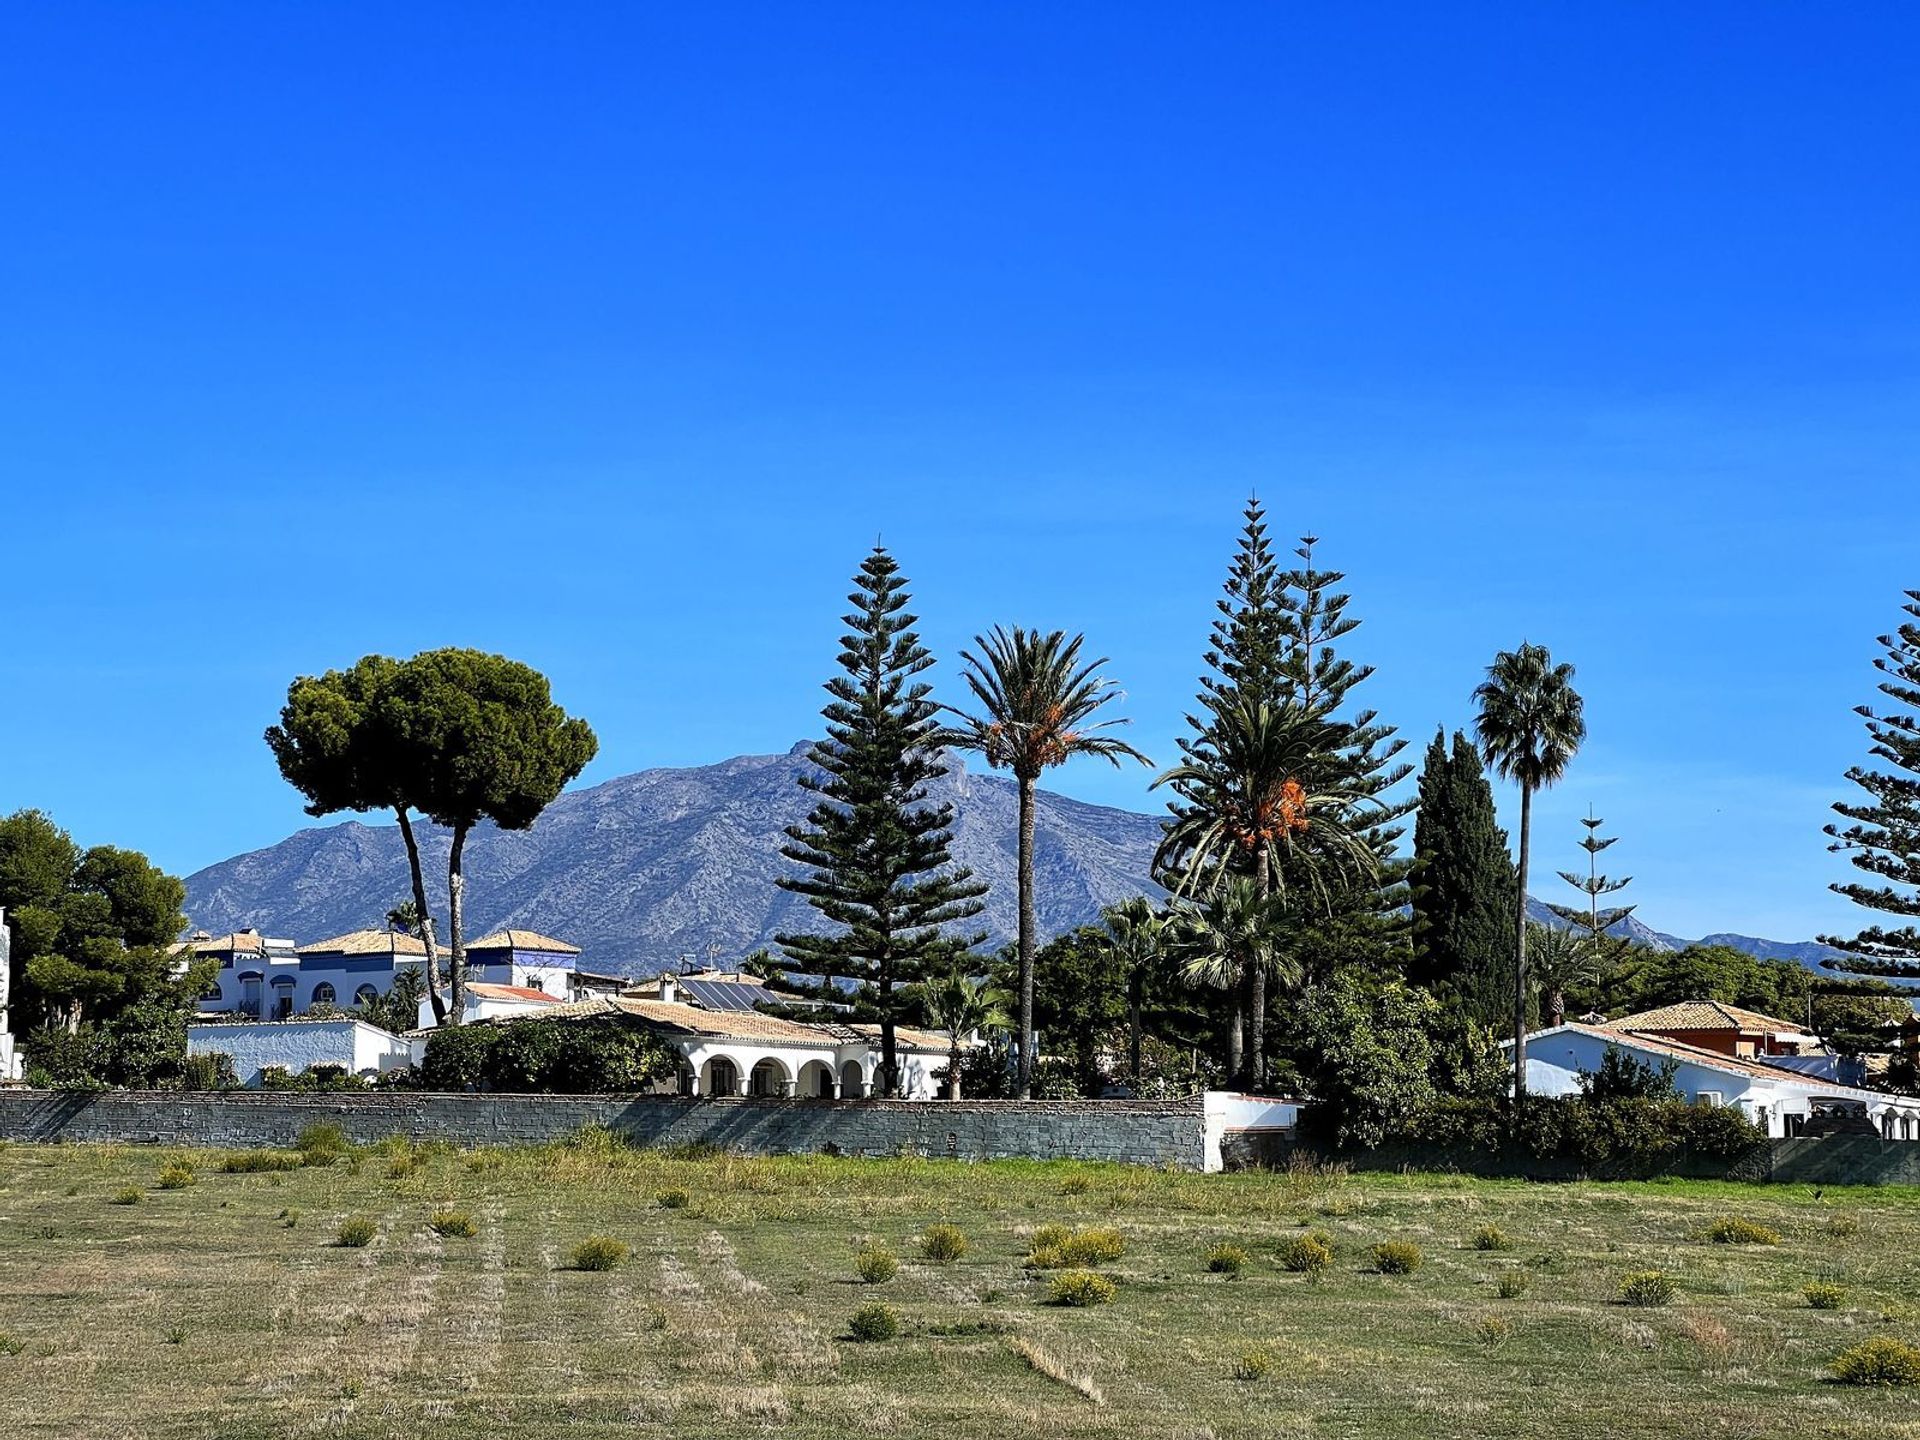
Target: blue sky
610,337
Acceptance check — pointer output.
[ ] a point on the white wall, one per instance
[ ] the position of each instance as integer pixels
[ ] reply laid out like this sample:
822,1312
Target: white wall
294,1045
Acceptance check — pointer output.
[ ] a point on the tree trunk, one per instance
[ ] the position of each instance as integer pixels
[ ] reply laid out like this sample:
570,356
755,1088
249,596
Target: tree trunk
1028,925
1556,1008
1257,1026
1520,954
953,1068
1235,1023
456,945
1133,1029
432,969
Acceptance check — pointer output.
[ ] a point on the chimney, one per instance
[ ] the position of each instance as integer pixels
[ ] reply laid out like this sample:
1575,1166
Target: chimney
669,988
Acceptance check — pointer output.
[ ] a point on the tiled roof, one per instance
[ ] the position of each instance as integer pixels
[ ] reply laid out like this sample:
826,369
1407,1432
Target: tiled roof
1714,1060
522,940
509,992
240,942
1705,1015
367,942
735,1024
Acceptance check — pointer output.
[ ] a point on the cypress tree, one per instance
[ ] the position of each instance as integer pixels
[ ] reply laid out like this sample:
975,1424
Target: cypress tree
1463,883
1884,836
876,856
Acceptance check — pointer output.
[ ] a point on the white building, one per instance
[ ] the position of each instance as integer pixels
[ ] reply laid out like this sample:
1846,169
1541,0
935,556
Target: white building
1782,1101
492,1002
297,1045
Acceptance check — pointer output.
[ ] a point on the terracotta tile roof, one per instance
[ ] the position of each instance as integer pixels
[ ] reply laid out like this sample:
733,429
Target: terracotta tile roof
522,940
1705,1015
906,1037
240,942
733,1024
1714,1060
367,942
509,992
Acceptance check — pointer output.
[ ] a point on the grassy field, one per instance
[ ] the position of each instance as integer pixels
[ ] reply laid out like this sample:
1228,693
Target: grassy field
224,1307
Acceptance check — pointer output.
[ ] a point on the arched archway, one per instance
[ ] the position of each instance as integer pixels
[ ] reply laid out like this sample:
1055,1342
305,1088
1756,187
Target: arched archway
853,1081
323,994
719,1076
365,995
816,1081
770,1079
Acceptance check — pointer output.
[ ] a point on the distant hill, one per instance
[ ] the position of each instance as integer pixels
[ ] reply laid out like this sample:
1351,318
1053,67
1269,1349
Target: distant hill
647,868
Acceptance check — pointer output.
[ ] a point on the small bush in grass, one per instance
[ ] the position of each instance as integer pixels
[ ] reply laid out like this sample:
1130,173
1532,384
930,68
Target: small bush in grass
356,1231
129,1196
1843,1226
1513,1283
1096,1245
1735,1230
675,1199
1079,1288
1881,1360
288,1219
1492,1237
1395,1257
943,1244
1252,1364
1648,1288
174,1334
1825,1295
874,1321
599,1252
176,1177
1226,1260
10,1345
257,1162
1492,1330
321,1143
874,1264
454,1225
1309,1254
1049,1237
1076,1185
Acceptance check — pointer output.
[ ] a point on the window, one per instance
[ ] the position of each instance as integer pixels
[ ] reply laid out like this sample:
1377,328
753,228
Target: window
365,995
324,994
1796,1125
1708,1098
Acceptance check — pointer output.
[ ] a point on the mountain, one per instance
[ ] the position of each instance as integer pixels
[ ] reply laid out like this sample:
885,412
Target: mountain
647,868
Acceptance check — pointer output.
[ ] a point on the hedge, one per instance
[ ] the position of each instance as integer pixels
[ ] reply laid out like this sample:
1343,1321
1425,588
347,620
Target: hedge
570,1057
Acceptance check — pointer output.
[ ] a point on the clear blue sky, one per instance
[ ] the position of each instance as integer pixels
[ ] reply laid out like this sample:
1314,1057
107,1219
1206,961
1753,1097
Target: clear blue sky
609,337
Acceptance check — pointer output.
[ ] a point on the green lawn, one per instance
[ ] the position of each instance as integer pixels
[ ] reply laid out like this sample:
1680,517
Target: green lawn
223,1308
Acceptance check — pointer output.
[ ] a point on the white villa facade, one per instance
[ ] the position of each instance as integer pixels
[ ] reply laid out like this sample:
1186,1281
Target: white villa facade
1786,1103
256,1046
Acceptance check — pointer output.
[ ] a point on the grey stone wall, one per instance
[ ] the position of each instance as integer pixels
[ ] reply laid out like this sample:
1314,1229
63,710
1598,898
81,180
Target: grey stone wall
1136,1132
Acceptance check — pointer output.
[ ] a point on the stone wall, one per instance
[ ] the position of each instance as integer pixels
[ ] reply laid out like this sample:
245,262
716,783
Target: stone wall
1136,1132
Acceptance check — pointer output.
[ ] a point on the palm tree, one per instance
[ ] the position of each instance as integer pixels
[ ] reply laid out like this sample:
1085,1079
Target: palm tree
1136,936
1529,726
1264,796
1037,700
962,1006
1232,941
1559,959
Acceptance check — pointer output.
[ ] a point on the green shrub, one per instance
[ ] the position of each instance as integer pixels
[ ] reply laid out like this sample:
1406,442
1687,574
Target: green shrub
10,1345
356,1231
1096,1245
1881,1360
874,1321
1733,1230
321,1143
1491,1237
1309,1254
288,1219
1492,1330
943,1244
1253,1363
208,1072
176,1177
1050,1236
1080,1288
1076,1185
1843,1226
675,1199
1612,1138
1513,1283
1226,1260
599,1252
131,1195
1825,1295
454,1225
874,1263
1395,1257
175,1334
572,1057
256,1162
1647,1288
